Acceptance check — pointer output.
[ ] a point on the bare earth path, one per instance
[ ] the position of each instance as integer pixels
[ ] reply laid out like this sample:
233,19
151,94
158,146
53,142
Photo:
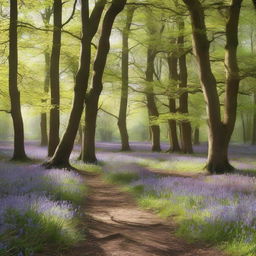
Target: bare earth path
117,227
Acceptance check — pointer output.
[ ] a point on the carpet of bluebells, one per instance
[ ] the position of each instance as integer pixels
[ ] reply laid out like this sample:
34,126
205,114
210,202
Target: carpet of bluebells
38,208
218,209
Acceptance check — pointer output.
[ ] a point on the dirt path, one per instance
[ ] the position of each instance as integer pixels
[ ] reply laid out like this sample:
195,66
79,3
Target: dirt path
117,227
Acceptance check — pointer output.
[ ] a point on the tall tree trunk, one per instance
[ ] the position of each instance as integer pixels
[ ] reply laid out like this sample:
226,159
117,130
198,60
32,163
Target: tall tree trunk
44,134
55,78
173,74
254,121
19,149
125,82
92,98
90,26
219,132
46,16
197,136
151,103
185,126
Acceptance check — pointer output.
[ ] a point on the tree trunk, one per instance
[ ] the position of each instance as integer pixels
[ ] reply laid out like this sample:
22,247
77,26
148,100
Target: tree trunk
19,149
125,82
173,74
92,98
151,104
197,136
90,25
254,121
219,132
44,134
185,126
55,79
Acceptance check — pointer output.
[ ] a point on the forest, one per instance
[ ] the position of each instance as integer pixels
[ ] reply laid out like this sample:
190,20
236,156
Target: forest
127,127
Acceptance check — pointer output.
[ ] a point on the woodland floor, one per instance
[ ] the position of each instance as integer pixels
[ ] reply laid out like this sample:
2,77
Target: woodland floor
116,226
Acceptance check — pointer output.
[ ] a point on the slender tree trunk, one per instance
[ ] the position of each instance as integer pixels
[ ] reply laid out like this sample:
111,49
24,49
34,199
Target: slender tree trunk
173,74
44,134
243,128
197,136
185,126
254,121
19,149
151,104
55,78
97,85
125,82
90,26
219,132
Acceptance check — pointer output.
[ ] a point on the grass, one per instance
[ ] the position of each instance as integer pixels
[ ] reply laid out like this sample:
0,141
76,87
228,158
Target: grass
175,166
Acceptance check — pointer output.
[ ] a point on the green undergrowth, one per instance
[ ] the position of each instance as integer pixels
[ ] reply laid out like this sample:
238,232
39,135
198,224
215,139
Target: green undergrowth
174,166
35,232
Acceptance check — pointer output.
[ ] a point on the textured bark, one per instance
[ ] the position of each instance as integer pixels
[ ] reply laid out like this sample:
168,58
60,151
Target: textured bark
92,98
151,103
185,126
43,124
219,131
90,26
173,74
125,82
19,149
55,78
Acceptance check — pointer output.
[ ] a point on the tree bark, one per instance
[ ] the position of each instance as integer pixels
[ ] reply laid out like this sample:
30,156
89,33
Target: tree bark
44,134
92,98
55,78
173,74
90,26
19,149
151,103
254,121
219,131
125,82
185,126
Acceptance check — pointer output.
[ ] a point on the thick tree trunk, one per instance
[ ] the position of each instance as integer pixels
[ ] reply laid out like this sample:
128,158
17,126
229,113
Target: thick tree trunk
92,98
173,74
197,136
185,126
151,103
125,82
55,79
19,149
44,134
89,29
219,132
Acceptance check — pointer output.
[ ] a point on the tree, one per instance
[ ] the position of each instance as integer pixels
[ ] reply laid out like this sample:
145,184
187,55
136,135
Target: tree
54,78
125,81
219,131
46,16
19,149
90,25
92,98
174,76
185,126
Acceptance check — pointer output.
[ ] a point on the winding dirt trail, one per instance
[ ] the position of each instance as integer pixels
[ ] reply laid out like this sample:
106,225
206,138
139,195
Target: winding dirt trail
117,227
